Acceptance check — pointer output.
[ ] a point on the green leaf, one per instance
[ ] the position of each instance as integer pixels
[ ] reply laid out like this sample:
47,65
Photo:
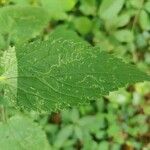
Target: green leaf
63,32
136,3
144,20
57,8
124,35
117,21
104,145
20,133
9,66
59,73
19,24
88,7
114,130
63,136
122,20
83,25
147,6
110,8
120,97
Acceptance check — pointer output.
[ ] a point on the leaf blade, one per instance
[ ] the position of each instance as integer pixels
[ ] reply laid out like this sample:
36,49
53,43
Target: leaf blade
59,73
22,23
21,133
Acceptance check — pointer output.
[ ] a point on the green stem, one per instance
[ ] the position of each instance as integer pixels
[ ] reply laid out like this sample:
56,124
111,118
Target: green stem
3,116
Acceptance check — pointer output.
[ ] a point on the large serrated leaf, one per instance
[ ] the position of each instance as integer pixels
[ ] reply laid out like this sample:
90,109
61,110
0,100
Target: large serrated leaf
20,133
58,73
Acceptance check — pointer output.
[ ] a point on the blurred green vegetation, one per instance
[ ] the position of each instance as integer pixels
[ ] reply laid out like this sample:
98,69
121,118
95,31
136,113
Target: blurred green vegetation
120,121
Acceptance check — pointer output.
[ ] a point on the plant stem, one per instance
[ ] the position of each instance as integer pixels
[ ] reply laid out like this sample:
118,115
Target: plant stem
3,116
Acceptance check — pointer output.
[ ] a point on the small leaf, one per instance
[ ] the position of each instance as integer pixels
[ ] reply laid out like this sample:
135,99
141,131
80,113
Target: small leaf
110,8
104,145
88,7
117,21
147,6
20,133
124,35
63,136
144,20
57,8
122,20
136,3
83,25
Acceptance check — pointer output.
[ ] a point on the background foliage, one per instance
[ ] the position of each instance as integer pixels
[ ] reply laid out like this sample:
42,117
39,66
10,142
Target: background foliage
122,27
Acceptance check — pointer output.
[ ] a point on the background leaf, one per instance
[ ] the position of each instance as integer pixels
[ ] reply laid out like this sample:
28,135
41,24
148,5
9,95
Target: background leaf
144,20
19,24
83,25
20,133
108,7
124,36
88,7
57,8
